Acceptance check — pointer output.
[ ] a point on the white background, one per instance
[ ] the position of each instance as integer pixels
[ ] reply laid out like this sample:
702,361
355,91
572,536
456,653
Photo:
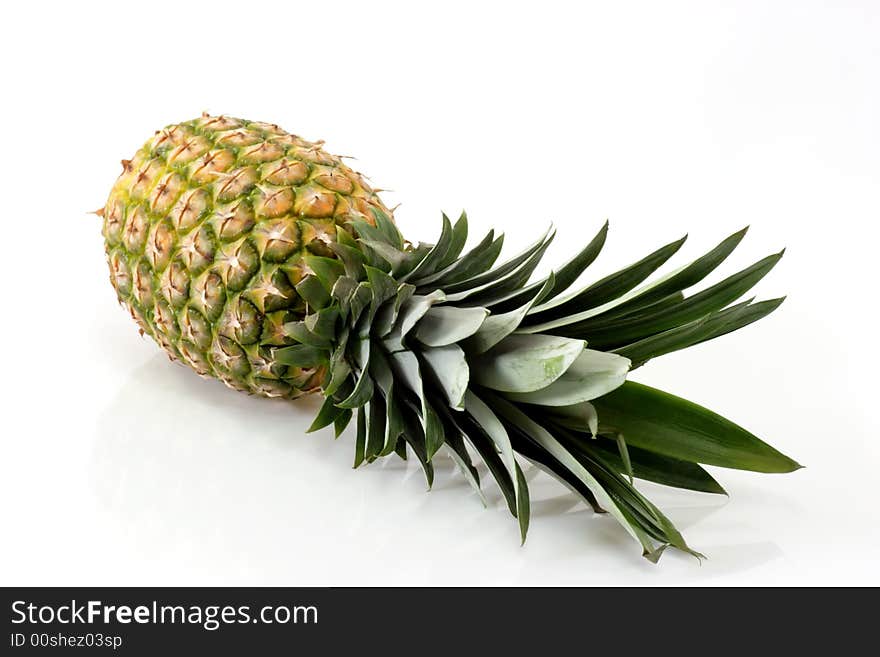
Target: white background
121,468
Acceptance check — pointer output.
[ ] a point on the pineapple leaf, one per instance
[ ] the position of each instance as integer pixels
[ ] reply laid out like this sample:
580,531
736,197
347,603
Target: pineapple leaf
571,270
395,258
376,428
411,311
395,425
363,388
672,426
327,414
523,424
459,239
341,422
444,325
616,333
433,430
624,456
327,270
450,369
432,260
687,276
301,333
502,289
492,427
489,276
387,228
360,442
312,292
657,468
523,508
386,317
751,313
352,259
592,374
414,435
701,330
476,261
301,355
609,288
581,417
525,362
496,327
505,278
323,322
563,277
466,467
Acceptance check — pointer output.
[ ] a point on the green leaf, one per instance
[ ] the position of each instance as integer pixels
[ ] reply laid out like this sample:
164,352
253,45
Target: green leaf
443,325
609,288
323,322
360,442
679,337
476,261
301,355
383,287
352,258
339,373
525,362
591,375
657,468
501,289
487,277
387,228
312,292
571,270
687,276
672,426
375,428
459,453
624,456
326,269
408,373
611,334
434,437
363,388
581,417
494,429
301,333
459,239
432,260
342,292
554,448
341,421
451,372
523,511
396,258
326,415
411,311
751,313
414,435
360,300
386,317
395,424
497,327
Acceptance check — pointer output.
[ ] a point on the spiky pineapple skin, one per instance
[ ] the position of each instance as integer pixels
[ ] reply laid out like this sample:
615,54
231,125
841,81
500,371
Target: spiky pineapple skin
205,232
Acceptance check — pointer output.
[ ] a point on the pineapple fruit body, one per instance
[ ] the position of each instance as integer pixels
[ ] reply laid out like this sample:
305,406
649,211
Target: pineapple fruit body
205,233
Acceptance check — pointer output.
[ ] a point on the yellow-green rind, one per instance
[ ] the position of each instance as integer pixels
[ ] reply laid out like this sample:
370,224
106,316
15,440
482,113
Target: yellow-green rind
205,233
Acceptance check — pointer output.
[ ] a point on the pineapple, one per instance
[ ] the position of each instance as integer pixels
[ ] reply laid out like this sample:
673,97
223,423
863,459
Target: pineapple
255,257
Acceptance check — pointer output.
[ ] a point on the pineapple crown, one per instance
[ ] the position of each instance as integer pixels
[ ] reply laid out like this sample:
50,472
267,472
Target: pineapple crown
432,348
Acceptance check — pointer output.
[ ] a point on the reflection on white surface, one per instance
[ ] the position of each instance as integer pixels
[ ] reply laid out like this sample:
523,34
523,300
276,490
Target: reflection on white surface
209,485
